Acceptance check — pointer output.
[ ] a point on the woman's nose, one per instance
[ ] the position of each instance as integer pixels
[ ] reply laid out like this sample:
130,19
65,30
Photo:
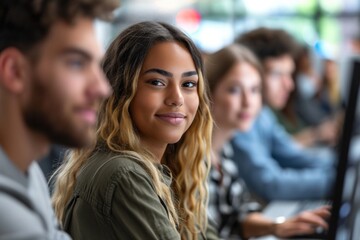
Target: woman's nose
174,97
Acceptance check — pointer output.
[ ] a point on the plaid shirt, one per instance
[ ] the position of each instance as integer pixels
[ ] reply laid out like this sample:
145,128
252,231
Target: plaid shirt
229,198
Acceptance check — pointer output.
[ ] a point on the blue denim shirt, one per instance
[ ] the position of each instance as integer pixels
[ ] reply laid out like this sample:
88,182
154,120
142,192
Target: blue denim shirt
275,167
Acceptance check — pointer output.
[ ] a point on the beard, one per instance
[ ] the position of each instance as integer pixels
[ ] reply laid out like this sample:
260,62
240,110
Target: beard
44,112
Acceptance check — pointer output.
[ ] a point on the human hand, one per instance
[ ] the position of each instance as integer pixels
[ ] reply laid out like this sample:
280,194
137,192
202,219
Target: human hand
327,132
304,223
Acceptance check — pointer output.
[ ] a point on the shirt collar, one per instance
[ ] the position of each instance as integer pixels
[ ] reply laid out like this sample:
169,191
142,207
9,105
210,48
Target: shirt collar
166,173
9,170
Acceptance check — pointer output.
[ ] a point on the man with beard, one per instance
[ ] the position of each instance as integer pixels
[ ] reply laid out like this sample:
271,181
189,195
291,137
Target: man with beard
271,163
51,85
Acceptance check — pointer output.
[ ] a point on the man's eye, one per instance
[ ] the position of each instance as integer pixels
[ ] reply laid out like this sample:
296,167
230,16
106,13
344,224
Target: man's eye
76,64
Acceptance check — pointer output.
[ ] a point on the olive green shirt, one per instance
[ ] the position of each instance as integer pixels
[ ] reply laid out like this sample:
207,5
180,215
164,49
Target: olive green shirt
115,198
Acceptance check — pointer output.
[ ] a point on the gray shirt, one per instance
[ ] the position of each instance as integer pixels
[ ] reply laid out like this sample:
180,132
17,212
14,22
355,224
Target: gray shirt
25,207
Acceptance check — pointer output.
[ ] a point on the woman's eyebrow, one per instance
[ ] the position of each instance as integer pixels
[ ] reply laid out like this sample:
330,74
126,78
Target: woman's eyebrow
189,74
169,74
159,71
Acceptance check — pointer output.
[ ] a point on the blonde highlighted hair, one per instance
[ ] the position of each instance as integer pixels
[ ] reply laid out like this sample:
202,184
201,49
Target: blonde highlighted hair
187,159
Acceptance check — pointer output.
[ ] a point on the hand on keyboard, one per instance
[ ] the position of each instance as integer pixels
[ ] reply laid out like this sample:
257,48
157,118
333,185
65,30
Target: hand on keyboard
307,222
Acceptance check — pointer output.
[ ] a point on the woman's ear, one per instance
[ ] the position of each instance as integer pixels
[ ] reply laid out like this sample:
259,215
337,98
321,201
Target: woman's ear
14,70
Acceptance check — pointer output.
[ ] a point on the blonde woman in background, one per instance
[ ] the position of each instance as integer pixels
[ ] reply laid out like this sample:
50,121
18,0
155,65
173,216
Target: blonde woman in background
235,80
145,176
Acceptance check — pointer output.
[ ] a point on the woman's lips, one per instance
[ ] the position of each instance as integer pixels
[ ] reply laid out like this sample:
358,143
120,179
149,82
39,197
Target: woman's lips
245,116
172,118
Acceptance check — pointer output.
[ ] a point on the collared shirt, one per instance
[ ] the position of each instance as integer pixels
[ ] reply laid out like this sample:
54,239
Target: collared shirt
115,198
229,198
275,167
25,207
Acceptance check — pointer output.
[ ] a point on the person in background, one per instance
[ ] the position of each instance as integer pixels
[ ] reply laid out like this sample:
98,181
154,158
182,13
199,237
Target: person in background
303,115
52,161
271,163
329,93
51,85
145,176
235,81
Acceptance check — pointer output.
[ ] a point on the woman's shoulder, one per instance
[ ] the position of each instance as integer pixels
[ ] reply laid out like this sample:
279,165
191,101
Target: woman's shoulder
111,162
103,169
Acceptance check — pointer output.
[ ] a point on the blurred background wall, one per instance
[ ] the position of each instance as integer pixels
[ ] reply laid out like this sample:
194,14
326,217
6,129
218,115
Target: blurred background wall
327,25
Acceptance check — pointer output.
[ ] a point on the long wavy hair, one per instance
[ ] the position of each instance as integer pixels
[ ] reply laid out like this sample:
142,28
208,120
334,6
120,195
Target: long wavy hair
187,159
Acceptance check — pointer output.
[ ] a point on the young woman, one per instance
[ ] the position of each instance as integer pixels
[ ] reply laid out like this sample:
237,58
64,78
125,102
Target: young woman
234,76
145,176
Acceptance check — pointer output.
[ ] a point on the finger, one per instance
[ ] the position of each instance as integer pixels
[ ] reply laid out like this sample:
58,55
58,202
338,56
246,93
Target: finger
302,229
313,219
291,229
305,229
328,207
322,212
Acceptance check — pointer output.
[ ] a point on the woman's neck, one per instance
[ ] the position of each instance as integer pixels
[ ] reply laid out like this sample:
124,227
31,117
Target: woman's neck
219,137
157,150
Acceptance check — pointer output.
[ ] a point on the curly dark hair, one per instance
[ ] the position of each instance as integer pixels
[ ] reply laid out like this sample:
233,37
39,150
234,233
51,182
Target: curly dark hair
24,23
268,43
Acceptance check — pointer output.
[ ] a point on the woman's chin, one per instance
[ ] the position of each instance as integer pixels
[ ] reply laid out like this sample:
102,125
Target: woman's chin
244,127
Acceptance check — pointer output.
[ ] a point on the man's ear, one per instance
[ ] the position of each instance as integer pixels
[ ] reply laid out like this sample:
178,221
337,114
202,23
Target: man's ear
14,70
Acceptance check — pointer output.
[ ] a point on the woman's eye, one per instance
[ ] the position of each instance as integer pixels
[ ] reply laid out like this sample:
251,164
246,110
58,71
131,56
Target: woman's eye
156,83
190,84
234,90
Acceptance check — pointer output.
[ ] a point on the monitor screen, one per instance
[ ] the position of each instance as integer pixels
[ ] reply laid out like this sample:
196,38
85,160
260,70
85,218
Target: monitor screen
345,218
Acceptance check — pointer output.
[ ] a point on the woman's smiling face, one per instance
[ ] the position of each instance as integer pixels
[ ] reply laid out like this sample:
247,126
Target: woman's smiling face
166,100
237,98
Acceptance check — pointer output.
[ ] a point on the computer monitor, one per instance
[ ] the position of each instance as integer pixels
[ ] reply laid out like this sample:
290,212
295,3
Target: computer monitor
345,217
